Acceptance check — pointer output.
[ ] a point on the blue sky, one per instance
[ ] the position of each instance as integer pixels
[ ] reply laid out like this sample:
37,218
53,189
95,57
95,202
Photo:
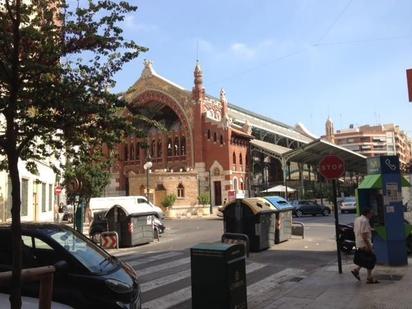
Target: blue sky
292,60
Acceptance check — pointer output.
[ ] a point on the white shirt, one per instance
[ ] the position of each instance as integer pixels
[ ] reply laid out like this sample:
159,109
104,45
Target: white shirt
361,226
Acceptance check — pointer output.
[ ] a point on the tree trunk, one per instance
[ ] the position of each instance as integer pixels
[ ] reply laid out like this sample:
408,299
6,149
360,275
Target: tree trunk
15,298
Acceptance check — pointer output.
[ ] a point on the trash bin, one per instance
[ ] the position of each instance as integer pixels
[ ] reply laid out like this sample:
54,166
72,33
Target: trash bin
133,228
218,276
137,229
253,217
283,219
79,218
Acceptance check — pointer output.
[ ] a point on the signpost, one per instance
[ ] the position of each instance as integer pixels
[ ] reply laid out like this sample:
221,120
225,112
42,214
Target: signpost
332,167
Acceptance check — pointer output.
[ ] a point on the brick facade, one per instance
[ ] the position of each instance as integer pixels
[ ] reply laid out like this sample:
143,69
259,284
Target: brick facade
201,151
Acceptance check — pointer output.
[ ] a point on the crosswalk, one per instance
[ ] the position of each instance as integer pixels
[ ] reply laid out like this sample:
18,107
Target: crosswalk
165,280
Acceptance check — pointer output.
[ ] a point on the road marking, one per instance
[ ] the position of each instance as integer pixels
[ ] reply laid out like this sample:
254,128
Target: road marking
150,285
152,258
185,294
157,268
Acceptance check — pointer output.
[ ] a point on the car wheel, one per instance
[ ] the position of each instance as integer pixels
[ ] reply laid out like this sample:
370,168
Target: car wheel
326,212
299,213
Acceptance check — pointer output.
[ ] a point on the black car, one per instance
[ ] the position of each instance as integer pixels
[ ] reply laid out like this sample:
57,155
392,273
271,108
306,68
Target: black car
86,275
306,207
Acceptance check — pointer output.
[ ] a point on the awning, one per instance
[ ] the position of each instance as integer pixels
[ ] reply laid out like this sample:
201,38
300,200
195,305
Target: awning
280,188
315,151
371,182
375,182
270,149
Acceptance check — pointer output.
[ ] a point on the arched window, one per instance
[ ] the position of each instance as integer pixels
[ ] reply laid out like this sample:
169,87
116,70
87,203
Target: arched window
180,190
159,148
176,151
137,151
126,152
221,139
132,157
152,148
208,134
234,158
169,148
235,187
214,137
240,159
242,185
182,145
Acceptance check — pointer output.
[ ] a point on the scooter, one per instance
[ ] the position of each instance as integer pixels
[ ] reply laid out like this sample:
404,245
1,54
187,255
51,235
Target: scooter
159,225
346,238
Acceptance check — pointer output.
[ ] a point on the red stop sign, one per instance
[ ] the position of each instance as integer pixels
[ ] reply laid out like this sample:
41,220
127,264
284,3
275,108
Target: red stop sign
58,190
331,167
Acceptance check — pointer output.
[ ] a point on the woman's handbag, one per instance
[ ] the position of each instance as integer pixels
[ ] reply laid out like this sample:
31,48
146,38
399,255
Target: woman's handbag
364,258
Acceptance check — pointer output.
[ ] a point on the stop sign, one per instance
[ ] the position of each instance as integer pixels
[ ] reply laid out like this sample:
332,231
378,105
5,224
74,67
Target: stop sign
58,190
331,167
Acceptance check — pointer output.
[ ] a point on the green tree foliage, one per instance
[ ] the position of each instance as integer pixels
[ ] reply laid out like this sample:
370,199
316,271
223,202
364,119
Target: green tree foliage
169,200
204,198
57,63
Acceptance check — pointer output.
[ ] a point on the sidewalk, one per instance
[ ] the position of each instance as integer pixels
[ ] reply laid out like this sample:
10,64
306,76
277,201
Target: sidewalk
326,288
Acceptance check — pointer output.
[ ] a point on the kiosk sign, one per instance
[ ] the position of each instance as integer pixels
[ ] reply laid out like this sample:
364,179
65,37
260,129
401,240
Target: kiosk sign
331,167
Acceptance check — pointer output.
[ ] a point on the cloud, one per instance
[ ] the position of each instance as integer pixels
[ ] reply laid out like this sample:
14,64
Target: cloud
241,50
131,23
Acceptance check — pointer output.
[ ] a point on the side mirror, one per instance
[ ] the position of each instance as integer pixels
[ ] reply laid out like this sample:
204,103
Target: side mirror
61,266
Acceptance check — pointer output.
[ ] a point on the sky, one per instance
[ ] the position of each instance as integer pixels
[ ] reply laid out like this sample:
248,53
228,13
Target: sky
296,61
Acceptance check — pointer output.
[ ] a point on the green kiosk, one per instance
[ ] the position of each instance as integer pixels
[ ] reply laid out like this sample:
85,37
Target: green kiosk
381,191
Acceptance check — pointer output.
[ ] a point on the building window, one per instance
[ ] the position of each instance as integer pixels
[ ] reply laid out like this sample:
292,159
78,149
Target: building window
208,134
24,197
169,148
242,186
43,197
221,139
50,197
132,157
214,137
234,158
159,148
182,145
180,190
137,151
240,159
176,147
126,152
235,184
152,148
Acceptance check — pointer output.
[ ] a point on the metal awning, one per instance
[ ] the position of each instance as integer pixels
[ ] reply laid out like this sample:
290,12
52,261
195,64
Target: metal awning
314,152
270,149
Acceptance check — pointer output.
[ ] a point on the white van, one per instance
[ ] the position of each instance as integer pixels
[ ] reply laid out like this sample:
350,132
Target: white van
137,203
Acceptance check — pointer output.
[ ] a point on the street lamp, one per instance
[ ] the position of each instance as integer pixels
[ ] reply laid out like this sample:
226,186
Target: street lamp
147,166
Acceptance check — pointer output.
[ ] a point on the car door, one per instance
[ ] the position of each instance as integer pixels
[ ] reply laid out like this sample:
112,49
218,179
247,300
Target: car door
304,207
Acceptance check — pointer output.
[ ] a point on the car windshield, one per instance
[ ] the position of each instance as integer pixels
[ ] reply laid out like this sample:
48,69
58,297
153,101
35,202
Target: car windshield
86,253
349,199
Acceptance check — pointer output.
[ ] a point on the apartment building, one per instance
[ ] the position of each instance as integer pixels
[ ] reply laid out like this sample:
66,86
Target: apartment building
385,139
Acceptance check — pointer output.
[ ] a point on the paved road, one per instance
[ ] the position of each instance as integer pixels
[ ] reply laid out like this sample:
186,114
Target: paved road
164,267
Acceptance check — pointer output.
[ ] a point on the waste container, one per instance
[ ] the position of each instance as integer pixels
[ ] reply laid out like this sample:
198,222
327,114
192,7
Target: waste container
133,228
137,229
253,217
283,217
79,218
218,276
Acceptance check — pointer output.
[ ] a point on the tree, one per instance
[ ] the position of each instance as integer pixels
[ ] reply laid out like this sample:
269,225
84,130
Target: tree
57,63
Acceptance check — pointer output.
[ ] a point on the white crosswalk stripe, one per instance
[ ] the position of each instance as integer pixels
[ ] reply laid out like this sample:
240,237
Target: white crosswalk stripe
157,268
185,294
154,258
147,286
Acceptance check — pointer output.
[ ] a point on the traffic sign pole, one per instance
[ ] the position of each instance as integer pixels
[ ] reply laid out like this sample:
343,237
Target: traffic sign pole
335,204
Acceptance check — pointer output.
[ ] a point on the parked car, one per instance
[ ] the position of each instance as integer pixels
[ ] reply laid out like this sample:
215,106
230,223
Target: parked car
139,203
86,275
347,204
306,207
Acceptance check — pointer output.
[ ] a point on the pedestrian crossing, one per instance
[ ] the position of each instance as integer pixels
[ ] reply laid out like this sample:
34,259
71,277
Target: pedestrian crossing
165,280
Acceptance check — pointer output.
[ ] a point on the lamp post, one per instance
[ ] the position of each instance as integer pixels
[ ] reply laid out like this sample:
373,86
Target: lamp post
147,166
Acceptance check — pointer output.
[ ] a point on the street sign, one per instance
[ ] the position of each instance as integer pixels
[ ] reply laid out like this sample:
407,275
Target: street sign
109,240
331,167
58,190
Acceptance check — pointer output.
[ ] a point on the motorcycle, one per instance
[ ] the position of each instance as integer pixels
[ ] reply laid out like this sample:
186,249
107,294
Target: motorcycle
346,238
